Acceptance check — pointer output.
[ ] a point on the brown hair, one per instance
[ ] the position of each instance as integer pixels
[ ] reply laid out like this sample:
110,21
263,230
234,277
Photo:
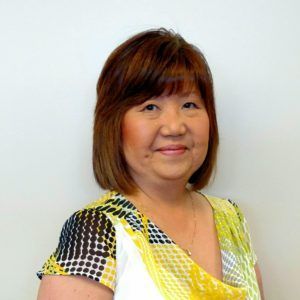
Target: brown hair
147,65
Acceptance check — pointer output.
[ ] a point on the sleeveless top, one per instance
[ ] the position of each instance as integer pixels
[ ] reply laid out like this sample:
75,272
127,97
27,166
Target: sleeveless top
111,242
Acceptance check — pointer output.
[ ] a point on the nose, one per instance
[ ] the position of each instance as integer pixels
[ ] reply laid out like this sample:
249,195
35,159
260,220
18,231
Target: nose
173,124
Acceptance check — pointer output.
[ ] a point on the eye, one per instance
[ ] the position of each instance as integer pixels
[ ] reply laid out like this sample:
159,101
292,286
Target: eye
190,105
150,107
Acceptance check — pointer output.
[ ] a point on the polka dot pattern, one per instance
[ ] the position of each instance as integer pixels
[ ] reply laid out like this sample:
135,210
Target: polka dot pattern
87,247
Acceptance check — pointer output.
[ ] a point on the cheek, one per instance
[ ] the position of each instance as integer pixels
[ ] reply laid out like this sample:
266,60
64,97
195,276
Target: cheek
201,143
135,134
206,126
128,134
202,131
206,132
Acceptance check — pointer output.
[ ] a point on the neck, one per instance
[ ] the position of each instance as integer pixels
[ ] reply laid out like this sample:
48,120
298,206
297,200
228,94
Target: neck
168,195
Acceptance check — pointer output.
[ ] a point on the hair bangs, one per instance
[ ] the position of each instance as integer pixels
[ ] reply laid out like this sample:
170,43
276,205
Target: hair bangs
174,77
176,80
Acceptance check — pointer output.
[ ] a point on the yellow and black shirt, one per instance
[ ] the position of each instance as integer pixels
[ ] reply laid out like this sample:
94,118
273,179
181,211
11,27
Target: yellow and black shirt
111,242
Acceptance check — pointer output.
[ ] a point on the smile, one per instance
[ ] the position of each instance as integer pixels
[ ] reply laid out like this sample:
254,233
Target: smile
172,150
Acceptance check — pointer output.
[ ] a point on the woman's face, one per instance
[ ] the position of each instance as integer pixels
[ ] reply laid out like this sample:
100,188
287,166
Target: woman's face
166,138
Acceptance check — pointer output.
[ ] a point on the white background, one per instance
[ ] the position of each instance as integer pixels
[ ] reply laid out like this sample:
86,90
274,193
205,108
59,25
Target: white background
50,57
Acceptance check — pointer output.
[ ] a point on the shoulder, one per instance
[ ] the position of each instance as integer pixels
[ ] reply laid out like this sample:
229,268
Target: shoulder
87,246
104,201
97,211
112,204
100,216
228,215
226,211
224,205
89,222
86,224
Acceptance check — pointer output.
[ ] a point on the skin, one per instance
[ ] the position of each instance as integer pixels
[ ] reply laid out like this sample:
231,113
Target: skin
165,140
72,287
149,132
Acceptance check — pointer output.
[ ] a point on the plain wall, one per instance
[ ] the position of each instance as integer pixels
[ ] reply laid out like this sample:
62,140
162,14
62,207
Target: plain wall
50,57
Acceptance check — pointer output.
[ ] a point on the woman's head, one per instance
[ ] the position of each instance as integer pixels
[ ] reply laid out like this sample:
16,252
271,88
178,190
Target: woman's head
148,65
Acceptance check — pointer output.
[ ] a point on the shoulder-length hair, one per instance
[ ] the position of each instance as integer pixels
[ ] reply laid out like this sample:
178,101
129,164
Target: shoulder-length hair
147,65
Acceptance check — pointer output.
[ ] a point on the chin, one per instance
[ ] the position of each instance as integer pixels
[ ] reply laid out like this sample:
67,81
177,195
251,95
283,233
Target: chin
175,175
179,171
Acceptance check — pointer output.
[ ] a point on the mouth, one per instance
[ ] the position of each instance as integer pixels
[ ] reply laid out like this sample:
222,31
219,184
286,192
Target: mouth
171,150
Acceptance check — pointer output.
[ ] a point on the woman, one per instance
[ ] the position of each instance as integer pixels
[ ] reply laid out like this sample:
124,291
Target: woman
154,235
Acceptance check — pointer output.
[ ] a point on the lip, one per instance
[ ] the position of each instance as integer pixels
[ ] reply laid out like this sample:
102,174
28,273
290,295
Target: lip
172,149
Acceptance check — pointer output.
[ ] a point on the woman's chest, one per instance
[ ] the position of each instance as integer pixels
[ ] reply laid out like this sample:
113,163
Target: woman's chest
206,250
199,239
161,270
